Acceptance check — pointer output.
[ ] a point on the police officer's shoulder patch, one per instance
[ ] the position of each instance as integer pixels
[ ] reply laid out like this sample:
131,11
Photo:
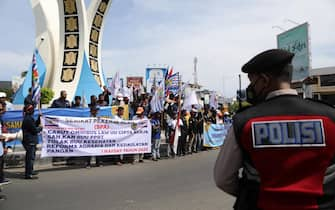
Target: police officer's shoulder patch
288,133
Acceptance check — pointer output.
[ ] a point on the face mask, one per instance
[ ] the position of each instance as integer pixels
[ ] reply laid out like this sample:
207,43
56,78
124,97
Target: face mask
252,96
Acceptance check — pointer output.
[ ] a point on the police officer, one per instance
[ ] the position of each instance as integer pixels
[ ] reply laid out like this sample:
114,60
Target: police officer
284,144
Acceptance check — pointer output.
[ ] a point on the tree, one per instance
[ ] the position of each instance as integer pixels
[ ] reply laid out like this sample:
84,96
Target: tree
24,73
47,95
235,106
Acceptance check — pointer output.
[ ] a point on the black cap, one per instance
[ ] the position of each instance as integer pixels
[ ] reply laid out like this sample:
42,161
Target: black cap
268,61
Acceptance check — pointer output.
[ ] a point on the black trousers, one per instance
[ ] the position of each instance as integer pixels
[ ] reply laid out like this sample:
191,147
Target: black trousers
2,163
98,160
30,158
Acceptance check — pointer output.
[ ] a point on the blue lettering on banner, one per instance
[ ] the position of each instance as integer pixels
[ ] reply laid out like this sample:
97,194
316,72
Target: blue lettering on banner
288,133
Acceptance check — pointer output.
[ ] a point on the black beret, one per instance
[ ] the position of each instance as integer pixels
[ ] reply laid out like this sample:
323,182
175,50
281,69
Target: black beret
268,61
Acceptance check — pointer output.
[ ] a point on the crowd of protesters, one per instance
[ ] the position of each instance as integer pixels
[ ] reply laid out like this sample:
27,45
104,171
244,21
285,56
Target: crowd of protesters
188,130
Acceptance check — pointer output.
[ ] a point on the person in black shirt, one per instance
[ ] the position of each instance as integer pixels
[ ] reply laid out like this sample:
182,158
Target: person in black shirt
77,102
106,93
30,129
61,102
29,98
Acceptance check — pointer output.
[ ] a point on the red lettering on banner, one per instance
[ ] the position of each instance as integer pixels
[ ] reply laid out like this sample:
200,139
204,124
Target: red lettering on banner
143,149
101,126
130,150
111,150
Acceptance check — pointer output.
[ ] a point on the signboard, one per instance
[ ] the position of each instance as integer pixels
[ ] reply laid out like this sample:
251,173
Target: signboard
296,41
135,81
327,80
155,75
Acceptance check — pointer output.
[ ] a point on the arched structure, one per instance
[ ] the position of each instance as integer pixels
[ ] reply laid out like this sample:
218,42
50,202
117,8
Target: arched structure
68,39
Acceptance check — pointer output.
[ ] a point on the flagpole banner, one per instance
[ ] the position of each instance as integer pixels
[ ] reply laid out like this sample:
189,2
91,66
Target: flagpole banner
296,41
172,84
136,82
215,134
13,119
155,76
74,136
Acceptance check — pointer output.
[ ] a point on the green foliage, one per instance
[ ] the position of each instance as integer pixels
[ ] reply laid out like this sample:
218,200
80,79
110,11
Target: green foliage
235,106
46,95
23,74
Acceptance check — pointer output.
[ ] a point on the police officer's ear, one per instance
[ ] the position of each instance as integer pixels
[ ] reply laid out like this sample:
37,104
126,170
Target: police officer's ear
266,79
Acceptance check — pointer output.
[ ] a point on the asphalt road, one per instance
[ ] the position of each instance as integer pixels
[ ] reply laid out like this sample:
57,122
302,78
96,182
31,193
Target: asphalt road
184,183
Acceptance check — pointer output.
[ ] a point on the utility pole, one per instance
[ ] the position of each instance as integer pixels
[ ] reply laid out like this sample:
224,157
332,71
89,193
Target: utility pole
195,62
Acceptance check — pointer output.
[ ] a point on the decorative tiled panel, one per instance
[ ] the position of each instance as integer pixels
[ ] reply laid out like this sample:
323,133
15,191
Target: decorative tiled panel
68,74
71,40
71,24
94,39
70,7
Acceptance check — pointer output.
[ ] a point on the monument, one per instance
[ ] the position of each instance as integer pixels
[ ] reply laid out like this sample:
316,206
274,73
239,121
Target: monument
68,41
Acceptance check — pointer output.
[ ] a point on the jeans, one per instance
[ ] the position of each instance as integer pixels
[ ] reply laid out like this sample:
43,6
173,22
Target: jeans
155,145
30,157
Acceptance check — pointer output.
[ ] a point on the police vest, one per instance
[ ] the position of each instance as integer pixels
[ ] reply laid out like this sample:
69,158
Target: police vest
288,146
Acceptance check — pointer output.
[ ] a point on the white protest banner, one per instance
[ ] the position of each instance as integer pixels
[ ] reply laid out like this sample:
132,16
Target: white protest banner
89,136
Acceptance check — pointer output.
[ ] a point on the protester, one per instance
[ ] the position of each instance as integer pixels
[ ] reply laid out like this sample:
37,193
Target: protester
30,129
106,93
98,160
283,143
117,159
61,102
182,141
93,101
3,96
200,130
101,100
77,102
29,98
192,145
3,180
156,136
175,126
140,116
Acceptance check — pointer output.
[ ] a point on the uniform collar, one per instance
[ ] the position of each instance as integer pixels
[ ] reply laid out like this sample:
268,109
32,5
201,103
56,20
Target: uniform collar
281,92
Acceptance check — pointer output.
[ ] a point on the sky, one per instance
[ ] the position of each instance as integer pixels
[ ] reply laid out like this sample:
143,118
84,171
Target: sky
222,34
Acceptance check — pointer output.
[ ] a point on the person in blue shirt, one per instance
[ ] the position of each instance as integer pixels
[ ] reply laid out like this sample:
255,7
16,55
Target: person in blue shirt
156,135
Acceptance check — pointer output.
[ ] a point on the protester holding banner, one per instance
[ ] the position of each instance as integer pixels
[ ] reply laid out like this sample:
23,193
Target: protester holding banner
119,116
29,98
30,129
98,160
140,116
